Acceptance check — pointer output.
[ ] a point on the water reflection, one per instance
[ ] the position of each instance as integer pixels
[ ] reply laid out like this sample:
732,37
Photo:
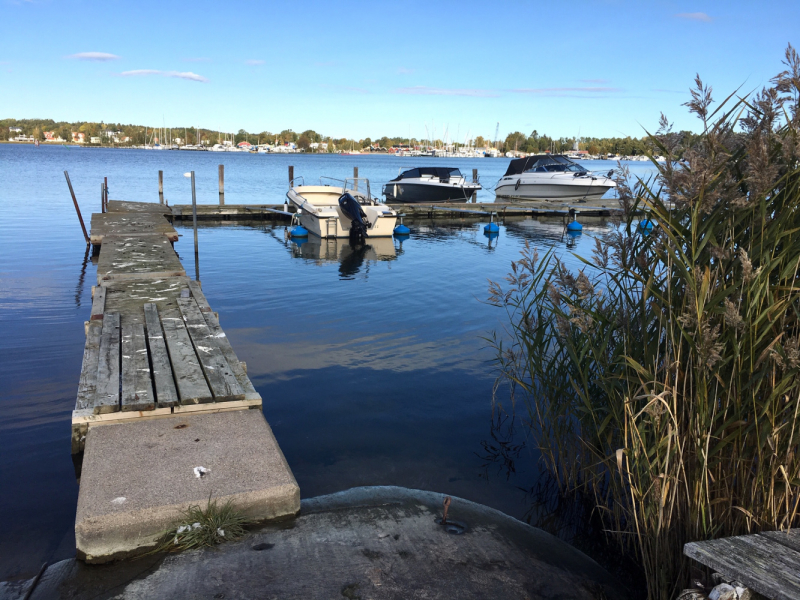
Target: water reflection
352,259
82,277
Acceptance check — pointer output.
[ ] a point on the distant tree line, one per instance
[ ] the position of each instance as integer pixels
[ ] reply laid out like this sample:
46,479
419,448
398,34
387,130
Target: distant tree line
309,140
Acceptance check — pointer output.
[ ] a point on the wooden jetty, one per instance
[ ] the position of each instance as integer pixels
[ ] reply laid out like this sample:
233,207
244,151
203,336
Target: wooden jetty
155,351
767,563
511,210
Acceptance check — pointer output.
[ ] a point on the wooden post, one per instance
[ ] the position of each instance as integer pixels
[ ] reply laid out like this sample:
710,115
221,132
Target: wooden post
474,175
355,178
105,194
291,176
161,187
77,208
221,185
194,224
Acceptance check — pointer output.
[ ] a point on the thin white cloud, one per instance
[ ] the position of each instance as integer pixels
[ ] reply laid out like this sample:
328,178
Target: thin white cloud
95,56
405,71
254,62
422,90
695,16
594,81
188,75
566,91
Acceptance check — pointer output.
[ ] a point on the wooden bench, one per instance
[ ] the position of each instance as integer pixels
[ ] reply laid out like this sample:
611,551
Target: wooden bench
767,563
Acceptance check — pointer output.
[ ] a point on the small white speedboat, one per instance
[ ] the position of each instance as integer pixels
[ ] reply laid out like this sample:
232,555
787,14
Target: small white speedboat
327,210
551,177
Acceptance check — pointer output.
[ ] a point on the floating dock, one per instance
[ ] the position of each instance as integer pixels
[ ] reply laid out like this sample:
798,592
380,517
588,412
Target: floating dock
162,393
522,210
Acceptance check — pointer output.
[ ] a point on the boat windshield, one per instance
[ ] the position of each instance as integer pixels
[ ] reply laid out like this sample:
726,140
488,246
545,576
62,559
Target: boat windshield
544,164
440,172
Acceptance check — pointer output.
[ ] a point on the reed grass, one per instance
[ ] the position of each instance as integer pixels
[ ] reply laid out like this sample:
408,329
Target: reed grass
663,378
203,527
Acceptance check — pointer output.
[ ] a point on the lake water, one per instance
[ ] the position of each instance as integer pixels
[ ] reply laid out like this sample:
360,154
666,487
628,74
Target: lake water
371,364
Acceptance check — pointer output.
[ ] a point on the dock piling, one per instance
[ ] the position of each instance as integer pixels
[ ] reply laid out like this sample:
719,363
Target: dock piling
291,176
194,224
105,194
77,208
102,197
221,185
161,187
474,175
355,178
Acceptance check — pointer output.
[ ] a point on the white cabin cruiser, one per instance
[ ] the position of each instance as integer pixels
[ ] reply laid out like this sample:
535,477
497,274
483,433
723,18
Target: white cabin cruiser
551,177
430,184
341,209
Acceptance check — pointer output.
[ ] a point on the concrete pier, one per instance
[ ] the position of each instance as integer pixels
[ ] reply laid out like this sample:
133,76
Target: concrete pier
161,392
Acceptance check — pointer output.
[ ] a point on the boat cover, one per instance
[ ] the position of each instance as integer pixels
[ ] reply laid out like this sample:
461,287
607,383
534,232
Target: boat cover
435,171
520,165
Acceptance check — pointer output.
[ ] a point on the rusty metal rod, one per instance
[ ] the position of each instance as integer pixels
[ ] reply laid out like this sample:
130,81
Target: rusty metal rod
77,208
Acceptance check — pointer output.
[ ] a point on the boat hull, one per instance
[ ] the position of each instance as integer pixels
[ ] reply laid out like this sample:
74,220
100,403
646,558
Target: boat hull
416,193
516,188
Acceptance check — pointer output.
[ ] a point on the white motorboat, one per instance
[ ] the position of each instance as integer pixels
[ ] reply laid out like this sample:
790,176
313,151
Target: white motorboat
551,177
337,209
430,184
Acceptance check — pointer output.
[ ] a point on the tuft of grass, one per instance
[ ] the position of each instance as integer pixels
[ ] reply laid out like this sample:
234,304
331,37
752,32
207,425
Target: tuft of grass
203,527
663,379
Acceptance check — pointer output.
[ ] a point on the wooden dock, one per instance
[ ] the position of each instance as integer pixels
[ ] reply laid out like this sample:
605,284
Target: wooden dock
767,563
510,210
154,350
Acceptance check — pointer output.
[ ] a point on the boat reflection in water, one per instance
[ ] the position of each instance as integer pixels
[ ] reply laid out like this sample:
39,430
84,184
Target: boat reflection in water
351,258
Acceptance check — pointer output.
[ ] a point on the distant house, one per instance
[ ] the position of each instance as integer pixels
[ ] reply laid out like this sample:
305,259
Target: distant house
78,137
23,138
15,129
51,136
121,139
318,145
94,140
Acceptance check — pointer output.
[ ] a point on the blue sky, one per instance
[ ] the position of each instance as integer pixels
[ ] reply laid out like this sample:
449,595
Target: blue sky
358,69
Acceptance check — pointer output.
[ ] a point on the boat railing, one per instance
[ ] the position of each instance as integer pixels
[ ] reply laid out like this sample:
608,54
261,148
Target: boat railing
364,190
339,182
296,179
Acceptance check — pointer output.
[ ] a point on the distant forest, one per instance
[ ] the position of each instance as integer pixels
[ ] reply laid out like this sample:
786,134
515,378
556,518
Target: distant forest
139,134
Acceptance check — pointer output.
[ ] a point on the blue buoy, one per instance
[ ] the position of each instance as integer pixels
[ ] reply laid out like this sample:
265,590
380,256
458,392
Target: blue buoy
574,227
401,230
646,226
491,228
299,232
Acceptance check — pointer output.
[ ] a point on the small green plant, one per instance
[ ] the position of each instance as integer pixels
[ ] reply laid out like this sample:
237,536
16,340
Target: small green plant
203,527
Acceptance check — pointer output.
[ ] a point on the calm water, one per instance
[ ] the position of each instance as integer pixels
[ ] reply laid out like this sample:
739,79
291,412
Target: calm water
371,363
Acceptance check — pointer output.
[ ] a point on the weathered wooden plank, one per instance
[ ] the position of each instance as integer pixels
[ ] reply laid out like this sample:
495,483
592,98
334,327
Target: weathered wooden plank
137,388
128,296
138,257
224,345
189,378
764,566
119,223
790,539
125,206
98,304
82,418
220,376
87,384
166,394
199,296
106,398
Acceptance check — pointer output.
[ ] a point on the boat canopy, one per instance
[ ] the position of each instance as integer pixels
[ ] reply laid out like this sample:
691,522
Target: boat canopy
542,162
440,172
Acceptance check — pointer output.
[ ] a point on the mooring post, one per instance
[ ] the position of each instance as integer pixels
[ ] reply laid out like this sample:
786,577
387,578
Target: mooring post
77,208
194,224
102,197
161,187
222,185
355,178
105,194
474,175
291,176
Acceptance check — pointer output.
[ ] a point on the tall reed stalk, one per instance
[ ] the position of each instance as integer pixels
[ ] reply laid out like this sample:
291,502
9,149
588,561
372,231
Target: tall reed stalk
663,378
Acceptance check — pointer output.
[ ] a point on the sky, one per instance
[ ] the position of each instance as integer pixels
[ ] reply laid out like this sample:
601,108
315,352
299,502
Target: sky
367,69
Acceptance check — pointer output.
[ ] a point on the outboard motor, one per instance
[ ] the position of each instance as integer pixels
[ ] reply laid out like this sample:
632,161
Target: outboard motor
352,210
